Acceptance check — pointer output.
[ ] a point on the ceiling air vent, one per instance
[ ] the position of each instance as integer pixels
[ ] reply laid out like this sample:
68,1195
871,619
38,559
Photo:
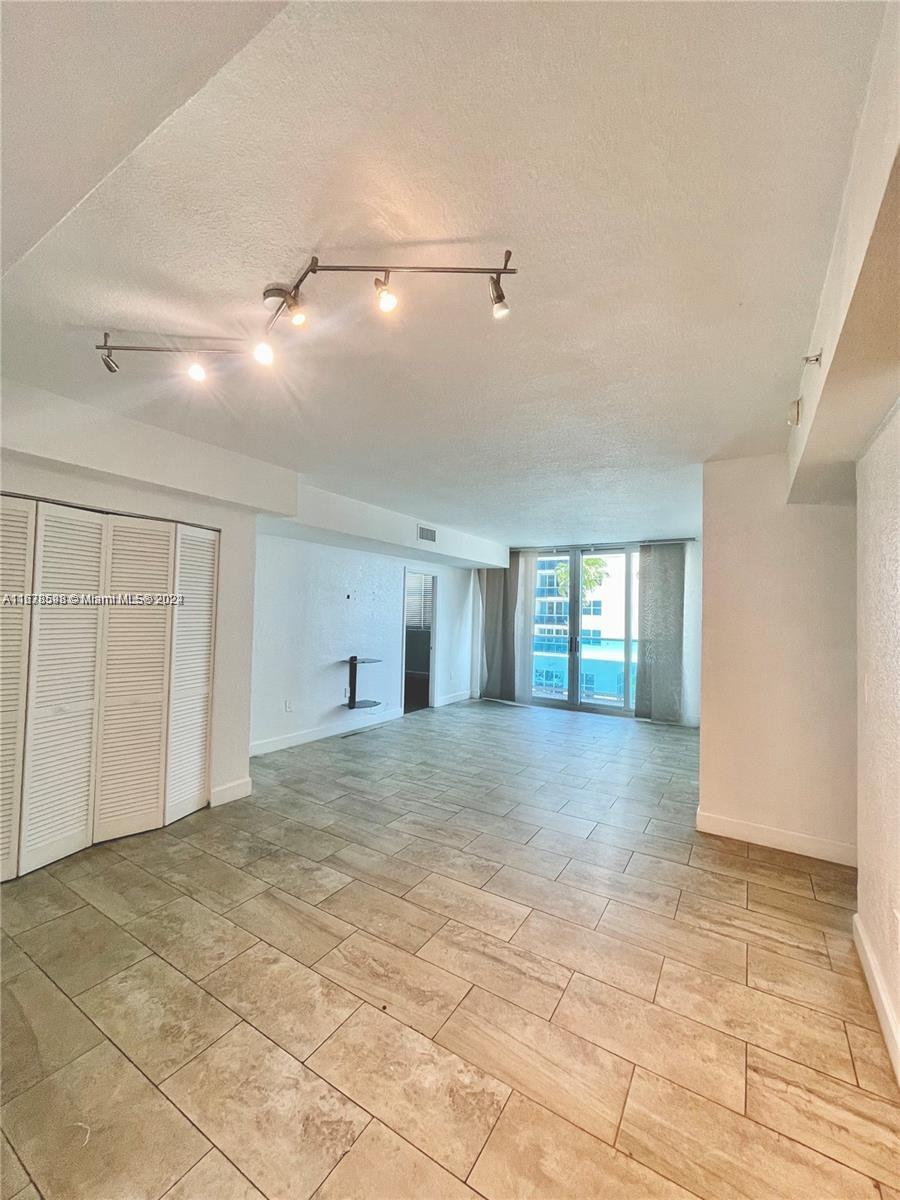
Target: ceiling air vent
424,534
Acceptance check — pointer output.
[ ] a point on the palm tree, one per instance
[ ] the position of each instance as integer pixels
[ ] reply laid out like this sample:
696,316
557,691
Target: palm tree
593,572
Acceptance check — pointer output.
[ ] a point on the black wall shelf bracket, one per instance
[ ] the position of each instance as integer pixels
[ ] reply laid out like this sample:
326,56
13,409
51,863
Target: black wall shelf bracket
354,661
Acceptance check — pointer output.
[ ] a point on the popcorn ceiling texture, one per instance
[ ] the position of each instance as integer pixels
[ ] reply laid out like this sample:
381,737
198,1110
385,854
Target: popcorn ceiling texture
878,575
668,178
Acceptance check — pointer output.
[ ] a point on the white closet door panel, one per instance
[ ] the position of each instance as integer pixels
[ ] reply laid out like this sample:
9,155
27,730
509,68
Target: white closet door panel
17,519
63,687
133,712
196,573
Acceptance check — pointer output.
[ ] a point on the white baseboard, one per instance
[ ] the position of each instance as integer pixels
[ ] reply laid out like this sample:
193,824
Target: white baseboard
778,839
884,1002
226,792
364,718
453,698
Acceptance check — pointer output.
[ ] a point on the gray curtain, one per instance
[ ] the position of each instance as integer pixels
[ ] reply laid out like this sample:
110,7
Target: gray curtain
658,689
499,594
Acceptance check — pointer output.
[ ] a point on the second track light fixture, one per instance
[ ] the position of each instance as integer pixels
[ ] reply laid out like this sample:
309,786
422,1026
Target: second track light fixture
286,297
281,298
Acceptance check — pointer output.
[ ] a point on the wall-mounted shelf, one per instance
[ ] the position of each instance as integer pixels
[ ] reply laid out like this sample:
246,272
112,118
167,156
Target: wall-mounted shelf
354,661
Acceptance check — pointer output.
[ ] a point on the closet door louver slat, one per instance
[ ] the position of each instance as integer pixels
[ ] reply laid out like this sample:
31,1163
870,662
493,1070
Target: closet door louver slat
130,787
17,519
63,687
196,571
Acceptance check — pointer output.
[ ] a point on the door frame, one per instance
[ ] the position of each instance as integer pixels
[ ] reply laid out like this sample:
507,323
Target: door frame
431,648
573,700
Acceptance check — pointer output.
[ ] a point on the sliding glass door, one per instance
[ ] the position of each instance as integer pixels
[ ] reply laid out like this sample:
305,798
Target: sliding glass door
585,640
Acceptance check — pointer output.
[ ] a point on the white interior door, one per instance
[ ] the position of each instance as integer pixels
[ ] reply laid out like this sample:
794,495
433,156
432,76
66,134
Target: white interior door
196,572
63,687
131,771
17,518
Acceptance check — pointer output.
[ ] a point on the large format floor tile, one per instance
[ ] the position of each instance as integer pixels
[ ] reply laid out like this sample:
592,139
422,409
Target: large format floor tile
98,1129
384,915
572,1077
33,900
471,906
42,1030
293,926
213,882
858,1129
156,1016
548,895
123,891
283,999
534,983
81,949
191,938
534,1155
528,886
382,1166
406,986
721,1155
214,1178
431,1097
758,1018
703,1059
280,1124
756,929
816,987
591,952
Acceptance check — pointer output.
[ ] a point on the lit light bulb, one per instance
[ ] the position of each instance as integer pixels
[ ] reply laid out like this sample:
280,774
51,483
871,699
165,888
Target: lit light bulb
387,301
498,300
196,372
298,318
263,354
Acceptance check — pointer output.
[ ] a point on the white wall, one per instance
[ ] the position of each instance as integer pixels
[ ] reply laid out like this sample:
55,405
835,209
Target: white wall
878,575
305,624
229,774
778,723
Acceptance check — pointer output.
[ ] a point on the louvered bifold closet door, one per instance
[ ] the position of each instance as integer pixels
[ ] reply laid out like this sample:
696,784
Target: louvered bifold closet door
196,572
16,566
63,687
130,785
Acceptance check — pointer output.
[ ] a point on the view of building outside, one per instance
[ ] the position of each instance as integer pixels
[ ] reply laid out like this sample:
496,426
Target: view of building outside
602,643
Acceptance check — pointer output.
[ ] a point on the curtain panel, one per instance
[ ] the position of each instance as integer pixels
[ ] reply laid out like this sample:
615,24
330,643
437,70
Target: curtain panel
659,683
507,603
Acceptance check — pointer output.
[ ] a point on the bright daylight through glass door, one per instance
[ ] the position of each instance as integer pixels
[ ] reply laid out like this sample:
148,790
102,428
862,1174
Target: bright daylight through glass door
585,628
551,645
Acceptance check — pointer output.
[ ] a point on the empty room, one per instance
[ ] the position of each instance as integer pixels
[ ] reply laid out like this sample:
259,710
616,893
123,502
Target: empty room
450,607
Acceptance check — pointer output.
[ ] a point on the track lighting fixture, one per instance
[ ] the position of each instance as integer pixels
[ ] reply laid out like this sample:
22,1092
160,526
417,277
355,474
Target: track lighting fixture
278,294
106,358
295,308
498,299
280,298
387,301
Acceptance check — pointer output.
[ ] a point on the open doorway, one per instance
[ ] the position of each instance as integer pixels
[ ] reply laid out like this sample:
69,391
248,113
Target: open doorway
418,620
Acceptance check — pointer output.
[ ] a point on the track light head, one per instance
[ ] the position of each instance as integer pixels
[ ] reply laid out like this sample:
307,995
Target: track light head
387,301
498,299
264,354
109,362
295,308
197,372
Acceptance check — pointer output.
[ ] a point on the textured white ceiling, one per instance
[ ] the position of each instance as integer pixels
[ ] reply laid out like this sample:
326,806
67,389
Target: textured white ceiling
668,177
84,83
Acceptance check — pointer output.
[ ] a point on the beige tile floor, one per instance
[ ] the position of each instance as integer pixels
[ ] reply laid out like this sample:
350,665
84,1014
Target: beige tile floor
478,952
